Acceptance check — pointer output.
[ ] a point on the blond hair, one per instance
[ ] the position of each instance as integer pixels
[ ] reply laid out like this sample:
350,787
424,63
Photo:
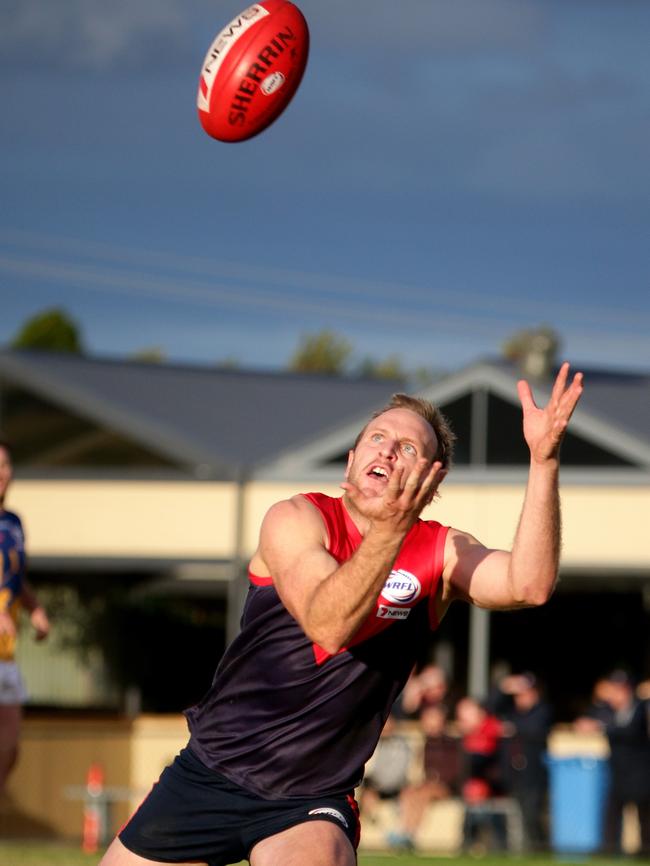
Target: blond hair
434,418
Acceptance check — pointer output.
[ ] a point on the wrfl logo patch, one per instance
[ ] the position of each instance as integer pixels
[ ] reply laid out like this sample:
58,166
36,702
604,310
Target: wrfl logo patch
402,587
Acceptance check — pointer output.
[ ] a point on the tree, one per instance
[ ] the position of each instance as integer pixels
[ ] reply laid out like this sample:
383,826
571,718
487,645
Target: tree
122,637
227,363
328,352
389,368
324,352
50,330
534,350
150,355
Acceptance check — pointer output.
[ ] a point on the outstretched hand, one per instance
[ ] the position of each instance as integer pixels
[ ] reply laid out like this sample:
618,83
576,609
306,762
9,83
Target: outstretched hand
40,623
544,428
406,494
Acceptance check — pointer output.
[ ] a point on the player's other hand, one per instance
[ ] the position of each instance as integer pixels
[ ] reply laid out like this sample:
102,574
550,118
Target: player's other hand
544,428
40,623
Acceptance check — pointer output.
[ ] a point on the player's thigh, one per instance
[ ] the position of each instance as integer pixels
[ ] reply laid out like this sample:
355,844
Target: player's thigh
10,720
313,843
118,855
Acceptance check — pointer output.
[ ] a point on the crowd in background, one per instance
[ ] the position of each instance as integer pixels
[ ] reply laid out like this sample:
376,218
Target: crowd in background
494,752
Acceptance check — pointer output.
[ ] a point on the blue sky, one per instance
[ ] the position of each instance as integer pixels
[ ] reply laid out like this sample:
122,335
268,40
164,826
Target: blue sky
449,171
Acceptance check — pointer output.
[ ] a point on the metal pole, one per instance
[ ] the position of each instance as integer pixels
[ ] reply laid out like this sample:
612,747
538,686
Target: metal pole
479,619
237,585
478,674
479,428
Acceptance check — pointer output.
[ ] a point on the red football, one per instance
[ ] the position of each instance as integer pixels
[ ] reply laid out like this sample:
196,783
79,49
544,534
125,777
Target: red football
252,70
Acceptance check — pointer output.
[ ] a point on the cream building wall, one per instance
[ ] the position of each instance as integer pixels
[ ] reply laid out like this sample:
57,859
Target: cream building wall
604,525
194,520
593,517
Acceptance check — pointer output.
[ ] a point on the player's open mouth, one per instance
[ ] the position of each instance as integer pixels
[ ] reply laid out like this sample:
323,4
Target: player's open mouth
378,472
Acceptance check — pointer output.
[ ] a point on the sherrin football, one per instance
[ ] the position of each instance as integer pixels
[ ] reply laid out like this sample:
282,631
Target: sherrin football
252,70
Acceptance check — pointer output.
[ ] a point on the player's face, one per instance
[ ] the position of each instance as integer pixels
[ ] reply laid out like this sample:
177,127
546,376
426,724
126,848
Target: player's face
395,439
5,471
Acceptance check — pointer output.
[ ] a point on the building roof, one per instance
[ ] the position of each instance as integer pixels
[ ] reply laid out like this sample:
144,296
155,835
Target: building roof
614,410
613,413
617,398
225,422
220,421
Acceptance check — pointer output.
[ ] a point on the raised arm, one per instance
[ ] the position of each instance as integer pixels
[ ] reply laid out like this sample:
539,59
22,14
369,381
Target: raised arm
37,615
329,600
526,576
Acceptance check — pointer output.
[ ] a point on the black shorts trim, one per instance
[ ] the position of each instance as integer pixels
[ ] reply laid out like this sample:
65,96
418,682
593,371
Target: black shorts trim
194,813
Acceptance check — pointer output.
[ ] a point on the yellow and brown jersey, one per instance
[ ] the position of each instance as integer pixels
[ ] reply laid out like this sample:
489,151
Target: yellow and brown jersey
12,550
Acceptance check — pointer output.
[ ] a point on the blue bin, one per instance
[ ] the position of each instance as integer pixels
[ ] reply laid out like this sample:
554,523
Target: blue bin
578,791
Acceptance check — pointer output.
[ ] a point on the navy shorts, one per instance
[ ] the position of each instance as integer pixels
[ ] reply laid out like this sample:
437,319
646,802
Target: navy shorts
194,813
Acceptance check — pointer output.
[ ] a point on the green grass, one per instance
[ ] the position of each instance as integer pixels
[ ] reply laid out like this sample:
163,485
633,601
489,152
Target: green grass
59,853
44,854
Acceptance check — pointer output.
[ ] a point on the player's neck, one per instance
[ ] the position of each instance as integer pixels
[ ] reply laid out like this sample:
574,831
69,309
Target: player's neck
362,523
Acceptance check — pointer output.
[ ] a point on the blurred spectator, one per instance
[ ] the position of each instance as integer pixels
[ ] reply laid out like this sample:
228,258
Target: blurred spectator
441,771
388,770
625,720
519,703
15,593
599,709
643,690
481,734
424,689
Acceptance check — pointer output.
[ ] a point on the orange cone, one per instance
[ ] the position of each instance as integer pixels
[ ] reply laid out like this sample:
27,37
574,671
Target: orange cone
93,815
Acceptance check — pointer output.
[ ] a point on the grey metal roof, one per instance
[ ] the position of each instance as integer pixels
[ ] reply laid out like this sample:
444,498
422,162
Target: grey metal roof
273,424
620,399
614,412
222,420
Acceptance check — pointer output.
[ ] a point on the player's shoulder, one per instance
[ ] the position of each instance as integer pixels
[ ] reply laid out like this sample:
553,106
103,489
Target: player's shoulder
294,521
429,532
6,514
459,543
431,525
454,533
298,508
10,518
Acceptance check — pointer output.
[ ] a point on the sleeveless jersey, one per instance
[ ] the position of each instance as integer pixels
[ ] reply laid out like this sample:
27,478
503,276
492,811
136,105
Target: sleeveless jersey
12,550
283,718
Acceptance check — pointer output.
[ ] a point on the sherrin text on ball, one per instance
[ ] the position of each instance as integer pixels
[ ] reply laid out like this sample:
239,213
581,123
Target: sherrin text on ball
252,70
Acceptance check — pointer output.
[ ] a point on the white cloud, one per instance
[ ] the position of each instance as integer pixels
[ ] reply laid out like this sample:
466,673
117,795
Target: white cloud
436,24
91,34
100,35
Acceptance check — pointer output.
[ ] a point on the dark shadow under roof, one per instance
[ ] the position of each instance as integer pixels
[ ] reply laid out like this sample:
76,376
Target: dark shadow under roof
614,412
228,420
616,397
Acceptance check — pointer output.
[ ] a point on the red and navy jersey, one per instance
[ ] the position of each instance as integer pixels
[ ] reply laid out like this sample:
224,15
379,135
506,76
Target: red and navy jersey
283,718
